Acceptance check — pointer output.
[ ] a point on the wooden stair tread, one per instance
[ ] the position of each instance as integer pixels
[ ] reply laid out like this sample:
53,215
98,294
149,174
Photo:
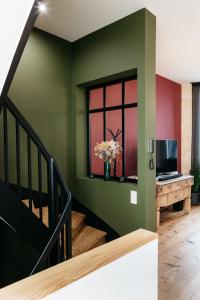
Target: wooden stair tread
36,212
78,221
87,239
84,237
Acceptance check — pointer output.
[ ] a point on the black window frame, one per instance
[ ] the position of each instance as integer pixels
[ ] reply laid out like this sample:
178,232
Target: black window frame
105,109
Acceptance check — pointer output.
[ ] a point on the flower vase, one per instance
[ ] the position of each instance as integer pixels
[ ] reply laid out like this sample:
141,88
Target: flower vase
107,169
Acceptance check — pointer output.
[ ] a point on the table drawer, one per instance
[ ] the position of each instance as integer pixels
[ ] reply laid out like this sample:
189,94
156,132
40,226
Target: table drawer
178,195
174,197
162,200
164,189
181,184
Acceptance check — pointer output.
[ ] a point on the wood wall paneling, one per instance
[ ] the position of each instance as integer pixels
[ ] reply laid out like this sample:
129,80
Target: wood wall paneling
186,128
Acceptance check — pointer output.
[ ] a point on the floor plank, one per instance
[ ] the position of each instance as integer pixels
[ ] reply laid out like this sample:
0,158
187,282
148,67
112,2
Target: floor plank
179,256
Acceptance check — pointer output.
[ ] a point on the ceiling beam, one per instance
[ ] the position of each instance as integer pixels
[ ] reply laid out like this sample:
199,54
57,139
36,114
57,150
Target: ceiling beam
20,48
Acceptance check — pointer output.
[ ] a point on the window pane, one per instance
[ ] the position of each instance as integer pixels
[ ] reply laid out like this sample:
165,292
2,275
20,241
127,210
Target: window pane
96,136
114,95
131,141
130,91
96,98
114,122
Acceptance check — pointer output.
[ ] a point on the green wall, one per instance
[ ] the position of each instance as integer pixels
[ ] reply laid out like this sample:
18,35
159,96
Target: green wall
118,49
50,90
42,91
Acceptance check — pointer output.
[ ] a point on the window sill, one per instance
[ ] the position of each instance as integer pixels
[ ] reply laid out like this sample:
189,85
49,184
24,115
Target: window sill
101,180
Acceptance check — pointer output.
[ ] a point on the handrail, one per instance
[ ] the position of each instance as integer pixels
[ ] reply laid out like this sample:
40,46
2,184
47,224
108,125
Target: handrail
55,278
2,100
65,187
53,238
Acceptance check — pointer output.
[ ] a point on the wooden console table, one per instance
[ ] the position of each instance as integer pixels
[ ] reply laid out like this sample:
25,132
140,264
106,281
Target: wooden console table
172,191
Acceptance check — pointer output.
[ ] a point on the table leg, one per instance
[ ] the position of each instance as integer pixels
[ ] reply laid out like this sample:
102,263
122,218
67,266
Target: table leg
187,205
158,217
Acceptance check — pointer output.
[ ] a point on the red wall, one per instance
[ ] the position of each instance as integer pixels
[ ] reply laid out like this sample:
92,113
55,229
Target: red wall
168,111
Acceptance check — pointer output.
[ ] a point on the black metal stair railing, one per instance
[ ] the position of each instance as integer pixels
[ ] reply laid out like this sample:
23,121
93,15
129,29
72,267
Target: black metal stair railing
46,174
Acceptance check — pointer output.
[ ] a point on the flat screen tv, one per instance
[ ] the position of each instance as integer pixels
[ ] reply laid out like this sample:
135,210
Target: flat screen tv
166,156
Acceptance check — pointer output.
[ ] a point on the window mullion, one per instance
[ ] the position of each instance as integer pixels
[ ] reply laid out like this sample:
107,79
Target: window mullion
123,132
104,113
89,157
96,110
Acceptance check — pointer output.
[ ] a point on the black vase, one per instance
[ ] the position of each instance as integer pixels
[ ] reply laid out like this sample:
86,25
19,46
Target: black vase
107,169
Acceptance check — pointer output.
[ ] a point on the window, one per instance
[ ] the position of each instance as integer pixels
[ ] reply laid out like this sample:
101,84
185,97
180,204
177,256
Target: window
112,110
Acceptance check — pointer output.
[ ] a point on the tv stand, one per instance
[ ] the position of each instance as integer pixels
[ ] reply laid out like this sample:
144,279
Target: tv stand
172,191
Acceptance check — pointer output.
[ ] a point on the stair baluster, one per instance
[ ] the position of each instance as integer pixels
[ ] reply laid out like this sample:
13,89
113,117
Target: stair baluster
18,160
5,126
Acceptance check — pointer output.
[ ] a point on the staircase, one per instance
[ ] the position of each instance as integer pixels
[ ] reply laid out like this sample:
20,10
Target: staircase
43,223
26,164
84,237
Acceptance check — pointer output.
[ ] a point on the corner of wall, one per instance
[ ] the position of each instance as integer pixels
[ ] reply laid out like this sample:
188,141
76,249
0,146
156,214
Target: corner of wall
186,127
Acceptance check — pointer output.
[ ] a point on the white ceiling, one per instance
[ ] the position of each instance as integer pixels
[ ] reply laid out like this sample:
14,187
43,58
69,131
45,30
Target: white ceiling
178,28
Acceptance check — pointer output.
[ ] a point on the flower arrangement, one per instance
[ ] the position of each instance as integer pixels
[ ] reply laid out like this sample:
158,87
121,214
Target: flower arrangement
108,150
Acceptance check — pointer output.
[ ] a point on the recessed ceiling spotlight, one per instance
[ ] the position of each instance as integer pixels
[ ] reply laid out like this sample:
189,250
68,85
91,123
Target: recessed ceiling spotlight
42,7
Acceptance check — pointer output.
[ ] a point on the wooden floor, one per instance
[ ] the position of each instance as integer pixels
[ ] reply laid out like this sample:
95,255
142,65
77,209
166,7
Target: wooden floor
179,256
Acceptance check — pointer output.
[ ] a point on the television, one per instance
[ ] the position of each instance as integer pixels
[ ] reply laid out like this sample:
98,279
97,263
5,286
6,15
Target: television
166,156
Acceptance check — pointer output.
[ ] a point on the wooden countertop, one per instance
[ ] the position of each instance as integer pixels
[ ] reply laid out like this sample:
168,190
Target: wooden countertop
50,280
184,177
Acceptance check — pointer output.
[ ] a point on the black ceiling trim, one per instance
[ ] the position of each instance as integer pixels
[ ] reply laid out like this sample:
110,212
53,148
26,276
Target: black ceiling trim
20,48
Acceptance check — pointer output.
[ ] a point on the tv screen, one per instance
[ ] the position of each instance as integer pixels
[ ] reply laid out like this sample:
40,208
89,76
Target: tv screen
166,156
